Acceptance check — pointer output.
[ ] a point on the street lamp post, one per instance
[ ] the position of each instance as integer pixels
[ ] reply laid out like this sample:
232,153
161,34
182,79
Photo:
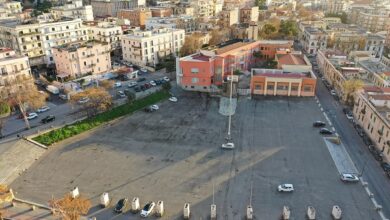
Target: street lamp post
230,105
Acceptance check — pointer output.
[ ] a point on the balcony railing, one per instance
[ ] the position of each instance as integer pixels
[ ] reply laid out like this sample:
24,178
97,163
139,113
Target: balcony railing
363,111
136,46
380,132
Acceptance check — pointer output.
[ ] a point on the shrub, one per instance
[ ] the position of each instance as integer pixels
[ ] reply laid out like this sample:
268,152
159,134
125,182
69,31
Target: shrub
60,134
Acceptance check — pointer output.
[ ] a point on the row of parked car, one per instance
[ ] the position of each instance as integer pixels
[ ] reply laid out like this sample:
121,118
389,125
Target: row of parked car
122,204
151,84
34,115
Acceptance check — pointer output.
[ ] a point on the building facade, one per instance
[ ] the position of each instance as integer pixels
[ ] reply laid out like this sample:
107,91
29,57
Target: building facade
35,40
373,19
229,17
188,23
145,48
161,12
82,58
277,82
372,112
249,14
73,9
137,16
206,69
314,39
105,32
334,6
110,8
10,9
14,72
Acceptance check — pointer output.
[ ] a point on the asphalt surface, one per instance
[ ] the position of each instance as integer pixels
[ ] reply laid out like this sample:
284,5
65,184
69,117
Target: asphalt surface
379,184
174,155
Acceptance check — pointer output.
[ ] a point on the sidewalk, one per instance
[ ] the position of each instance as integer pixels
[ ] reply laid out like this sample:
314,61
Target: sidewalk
18,157
341,158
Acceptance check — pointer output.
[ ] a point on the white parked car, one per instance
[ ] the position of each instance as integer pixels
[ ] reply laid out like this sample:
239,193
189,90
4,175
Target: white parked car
144,70
32,115
148,208
332,92
83,100
117,84
228,145
154,107
349,116
131,84
348,177
286,187
153,83
166,79
173,99
43,109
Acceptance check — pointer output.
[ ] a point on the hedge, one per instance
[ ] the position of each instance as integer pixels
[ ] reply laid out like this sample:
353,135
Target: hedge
68,131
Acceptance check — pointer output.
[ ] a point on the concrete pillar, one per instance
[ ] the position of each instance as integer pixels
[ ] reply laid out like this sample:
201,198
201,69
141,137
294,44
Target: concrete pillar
265,87
275,86
299,89
289,89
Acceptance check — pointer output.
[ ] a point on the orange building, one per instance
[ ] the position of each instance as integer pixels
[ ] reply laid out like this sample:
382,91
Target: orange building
277,82
208,68
137,16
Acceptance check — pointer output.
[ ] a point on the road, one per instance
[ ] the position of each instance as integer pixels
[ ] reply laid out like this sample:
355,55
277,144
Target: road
63,111
358,151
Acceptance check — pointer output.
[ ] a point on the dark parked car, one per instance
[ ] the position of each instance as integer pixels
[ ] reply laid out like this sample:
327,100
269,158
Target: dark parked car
141,79
385,166
137,89
121,205
325,131
147,85
142,88
319,124
149,109
48,119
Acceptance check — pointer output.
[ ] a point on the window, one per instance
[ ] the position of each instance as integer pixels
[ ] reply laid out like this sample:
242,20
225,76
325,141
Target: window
85,63
145,44
257,87
294,88
194,70
307,88
270,87
51,58
194,80
282,87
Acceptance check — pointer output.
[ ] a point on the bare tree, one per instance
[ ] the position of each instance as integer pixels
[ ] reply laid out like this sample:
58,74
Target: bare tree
99,100
70,208
24,95
349,88
5,111
107,84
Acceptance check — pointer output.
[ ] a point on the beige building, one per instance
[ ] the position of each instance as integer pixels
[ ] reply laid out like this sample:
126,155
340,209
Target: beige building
229,17
372,113
144,48
105,32
205,8
184,10
13,68
372,18
336,69
35,39
188,23
249,14
313,39
137,16
74,9
10,9
246,31
110,8
82,58
334,6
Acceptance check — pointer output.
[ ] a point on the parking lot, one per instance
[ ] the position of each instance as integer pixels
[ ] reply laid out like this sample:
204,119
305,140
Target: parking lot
174,155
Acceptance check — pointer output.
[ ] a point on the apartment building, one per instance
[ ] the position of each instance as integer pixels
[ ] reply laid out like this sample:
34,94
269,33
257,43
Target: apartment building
249,14
372,113
336,69
184,10
334,6
10,9
229,17
293,62
377,71
387,42
81,58
208,68
373,19
161,12
110,8
136,16
14,69
105,32
277,82
188,23
205,8
36,38
246,31
144,48
313,39
74,9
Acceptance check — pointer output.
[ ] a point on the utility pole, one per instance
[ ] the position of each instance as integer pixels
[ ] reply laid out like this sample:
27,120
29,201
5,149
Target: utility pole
230,104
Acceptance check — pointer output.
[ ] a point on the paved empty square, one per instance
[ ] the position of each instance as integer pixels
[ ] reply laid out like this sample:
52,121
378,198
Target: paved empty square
174,155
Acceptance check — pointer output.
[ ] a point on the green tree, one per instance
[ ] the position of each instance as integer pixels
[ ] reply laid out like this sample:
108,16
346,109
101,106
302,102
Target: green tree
349,88
130,96
261,4
288,29
5,111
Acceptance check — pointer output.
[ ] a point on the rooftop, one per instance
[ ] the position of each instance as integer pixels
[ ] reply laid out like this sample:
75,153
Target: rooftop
291,59
280,73
375,67
74,46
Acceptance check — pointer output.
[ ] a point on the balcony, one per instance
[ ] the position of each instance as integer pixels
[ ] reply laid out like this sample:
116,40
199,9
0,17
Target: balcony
363,111
90,55
380,132
136,46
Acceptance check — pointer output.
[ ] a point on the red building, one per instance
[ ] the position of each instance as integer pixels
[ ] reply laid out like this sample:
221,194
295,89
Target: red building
205,69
